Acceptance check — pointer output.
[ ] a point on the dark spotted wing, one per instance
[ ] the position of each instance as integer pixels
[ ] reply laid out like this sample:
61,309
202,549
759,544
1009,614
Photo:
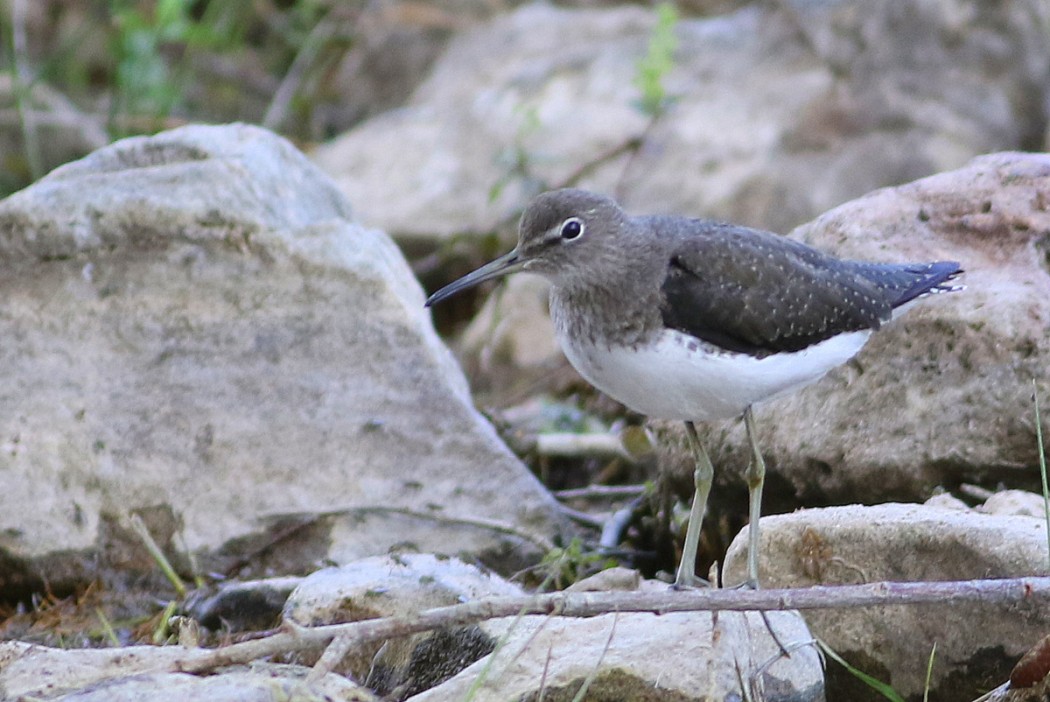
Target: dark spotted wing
757,293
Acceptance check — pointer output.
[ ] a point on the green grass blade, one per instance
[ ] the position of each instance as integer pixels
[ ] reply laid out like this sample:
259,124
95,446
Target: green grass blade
139,528
929,673
874,683
107,627
1042,464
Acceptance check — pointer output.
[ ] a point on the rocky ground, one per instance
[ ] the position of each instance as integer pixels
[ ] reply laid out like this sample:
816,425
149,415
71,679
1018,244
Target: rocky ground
216,361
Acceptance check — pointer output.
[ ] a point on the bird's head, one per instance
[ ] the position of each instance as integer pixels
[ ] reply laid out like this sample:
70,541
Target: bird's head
563,235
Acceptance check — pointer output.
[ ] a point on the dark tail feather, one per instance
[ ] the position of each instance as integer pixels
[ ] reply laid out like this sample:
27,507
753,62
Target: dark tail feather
934,278
906,282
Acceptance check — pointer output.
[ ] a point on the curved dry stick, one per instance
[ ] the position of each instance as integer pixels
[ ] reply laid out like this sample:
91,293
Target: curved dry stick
1033,590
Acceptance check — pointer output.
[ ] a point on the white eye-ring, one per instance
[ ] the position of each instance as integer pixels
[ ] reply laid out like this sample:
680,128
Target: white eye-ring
572,228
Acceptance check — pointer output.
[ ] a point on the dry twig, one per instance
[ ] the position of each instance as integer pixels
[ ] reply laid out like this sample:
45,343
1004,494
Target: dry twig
601,492
1034,591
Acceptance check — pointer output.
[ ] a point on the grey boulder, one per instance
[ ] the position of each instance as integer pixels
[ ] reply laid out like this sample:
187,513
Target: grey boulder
977,644
196,331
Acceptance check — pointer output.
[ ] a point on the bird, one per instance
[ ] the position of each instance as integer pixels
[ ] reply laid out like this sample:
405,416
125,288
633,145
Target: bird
696,320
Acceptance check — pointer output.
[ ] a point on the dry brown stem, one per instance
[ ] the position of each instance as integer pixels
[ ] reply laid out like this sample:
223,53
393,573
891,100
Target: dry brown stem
1032,591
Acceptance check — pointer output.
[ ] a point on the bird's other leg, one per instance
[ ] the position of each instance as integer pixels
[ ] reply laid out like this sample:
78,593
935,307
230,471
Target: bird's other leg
703,476
756,477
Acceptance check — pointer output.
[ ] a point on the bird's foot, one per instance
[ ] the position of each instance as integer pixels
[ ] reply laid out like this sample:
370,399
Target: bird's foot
690,582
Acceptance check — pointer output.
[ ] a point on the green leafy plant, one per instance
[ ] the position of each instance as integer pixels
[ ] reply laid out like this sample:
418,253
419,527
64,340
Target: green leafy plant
565,566
152,44
145,84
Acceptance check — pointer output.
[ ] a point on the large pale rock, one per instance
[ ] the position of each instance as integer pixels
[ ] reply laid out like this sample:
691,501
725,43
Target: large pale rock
977,643
195,329
439,157
632,656
781,111
256,685
1015,502
384,586
392,49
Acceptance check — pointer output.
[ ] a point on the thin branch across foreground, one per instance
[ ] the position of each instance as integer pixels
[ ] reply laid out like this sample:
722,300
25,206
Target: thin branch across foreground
1034,591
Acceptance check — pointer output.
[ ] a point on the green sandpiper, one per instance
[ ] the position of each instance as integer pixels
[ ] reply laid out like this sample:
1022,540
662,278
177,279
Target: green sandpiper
694,320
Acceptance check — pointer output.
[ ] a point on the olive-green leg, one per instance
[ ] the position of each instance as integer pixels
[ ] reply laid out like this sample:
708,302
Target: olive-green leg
703,476
756,477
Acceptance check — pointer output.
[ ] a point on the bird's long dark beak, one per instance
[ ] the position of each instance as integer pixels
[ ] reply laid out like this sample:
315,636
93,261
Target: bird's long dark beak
507,263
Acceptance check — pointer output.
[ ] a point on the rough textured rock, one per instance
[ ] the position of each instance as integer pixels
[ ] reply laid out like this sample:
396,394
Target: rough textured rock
944,500
393,45
1005,502
781,111
943,394
395,585
855,544
675,657
195,330
384,586
136,673
439,157
248,686
1017,502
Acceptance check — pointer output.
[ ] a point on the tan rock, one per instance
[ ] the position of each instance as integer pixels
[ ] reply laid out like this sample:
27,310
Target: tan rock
635,656
143,673
902,542
781,111
396,586
1018,502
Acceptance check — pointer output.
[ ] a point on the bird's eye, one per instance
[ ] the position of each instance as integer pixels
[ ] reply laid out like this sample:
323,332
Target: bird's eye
571,229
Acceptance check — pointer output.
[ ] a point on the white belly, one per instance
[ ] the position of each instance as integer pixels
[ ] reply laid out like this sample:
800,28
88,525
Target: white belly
677,378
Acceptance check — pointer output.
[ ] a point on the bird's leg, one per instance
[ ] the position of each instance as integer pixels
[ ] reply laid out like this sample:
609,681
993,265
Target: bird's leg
703,476
756,477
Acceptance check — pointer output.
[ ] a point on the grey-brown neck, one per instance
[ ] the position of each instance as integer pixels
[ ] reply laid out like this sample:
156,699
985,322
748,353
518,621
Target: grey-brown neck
607,315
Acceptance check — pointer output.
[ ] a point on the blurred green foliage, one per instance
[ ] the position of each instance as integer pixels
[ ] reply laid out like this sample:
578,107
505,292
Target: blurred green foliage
564,566
658,62
146,81
140,66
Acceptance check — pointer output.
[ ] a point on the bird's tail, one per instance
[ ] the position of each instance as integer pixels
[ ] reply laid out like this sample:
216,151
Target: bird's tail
910,281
